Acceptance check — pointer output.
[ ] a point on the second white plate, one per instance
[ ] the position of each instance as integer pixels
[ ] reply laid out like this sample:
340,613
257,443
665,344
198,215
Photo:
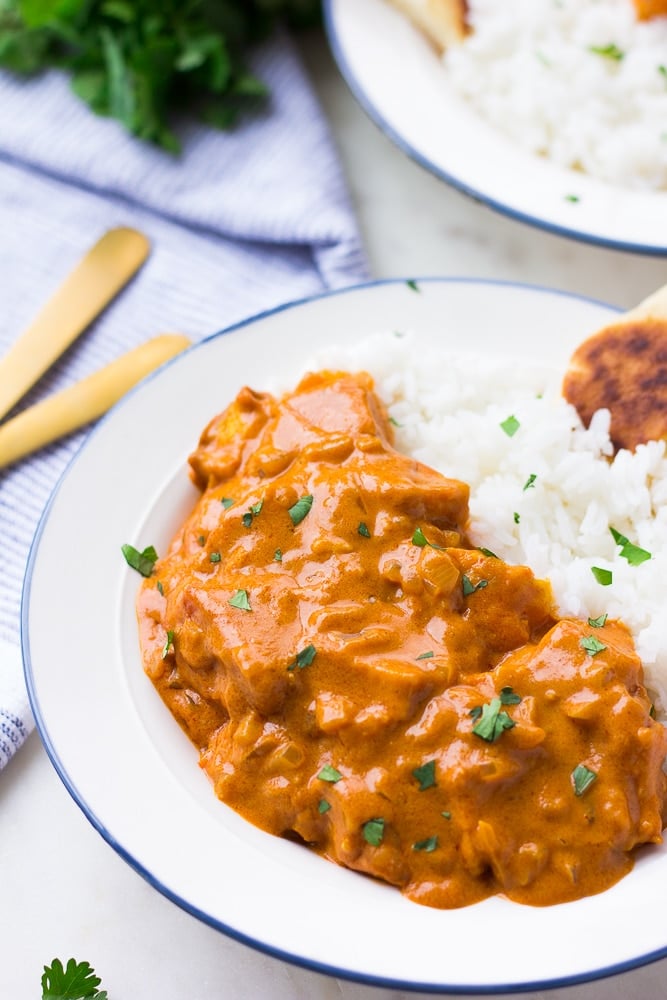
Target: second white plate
398,79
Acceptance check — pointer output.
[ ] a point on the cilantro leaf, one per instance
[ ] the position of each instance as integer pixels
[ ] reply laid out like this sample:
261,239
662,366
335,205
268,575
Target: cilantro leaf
169,644
303,658
425,775
582,778
509,697
420,539
510,425
610,51
76,981
603,576
592,645
469,587
301,509
240,599
143,562
330,773
373,831
492,721
427,845
629,551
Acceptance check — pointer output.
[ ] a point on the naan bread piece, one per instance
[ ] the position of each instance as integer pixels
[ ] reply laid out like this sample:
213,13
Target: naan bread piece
623,368
650,8
443,21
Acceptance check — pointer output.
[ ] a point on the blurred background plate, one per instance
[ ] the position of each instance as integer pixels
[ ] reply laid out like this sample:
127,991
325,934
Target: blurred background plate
398,79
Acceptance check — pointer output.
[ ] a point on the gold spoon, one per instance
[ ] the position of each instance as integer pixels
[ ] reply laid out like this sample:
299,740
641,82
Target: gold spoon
93,283
76,406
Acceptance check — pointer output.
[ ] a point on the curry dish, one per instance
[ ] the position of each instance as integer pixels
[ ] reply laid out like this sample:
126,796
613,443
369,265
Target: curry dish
358,677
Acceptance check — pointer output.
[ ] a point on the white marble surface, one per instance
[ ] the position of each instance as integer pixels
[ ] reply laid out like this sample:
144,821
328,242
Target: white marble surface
64,891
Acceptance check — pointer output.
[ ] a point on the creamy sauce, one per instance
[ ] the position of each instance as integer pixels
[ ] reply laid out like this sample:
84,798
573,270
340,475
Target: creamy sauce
357,676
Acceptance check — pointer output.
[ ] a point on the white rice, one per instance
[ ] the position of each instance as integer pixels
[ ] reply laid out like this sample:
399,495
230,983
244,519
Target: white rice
529,68
449,408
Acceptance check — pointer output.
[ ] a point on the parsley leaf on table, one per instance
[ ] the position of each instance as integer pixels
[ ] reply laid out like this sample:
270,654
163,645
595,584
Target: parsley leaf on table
77,981
141,62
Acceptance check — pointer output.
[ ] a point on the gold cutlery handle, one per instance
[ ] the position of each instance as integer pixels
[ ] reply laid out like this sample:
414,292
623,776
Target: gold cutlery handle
76,406
93,283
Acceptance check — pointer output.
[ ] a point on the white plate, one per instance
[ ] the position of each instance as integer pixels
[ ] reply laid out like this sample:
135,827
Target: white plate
397,78
134,773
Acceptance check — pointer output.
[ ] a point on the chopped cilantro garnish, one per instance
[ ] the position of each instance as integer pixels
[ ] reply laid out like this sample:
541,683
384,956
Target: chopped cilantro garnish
426,656
168,644
394,421
632,553
413,285
304,658
202,540
300,509
330,774
278,555
517,517
252,513
363,530
510,425
603,576
582,778
374,831
239,599
487,552
469,587
492,721
227,502
425,775
323,806
475,712
573,198
509,697
598,622
530,482
592,645
662,70
427,845
160,588
420,539
215,557
610,51
143,562
446,814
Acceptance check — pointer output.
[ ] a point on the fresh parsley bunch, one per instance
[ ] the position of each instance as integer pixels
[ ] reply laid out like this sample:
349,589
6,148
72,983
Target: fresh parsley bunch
140,60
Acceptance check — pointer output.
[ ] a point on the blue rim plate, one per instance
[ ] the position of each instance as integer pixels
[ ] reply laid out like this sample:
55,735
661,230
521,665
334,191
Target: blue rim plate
132,771
397,79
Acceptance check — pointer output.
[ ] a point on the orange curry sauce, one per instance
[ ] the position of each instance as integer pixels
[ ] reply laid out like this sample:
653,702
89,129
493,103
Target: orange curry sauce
357,676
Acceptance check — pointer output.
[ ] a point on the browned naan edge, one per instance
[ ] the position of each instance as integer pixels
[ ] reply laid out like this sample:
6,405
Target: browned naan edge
442,21
607,371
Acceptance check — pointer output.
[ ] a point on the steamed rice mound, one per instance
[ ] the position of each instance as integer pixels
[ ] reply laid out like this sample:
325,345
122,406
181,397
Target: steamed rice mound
448,409
581,82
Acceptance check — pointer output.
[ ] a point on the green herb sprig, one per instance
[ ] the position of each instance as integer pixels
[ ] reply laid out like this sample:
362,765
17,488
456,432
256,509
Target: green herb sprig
142,62
74,981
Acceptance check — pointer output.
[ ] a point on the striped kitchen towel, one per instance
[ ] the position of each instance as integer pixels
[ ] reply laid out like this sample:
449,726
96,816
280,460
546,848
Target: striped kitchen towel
241,222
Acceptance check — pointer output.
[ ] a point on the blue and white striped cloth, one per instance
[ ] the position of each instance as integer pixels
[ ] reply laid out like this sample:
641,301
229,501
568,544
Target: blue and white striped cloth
241,222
